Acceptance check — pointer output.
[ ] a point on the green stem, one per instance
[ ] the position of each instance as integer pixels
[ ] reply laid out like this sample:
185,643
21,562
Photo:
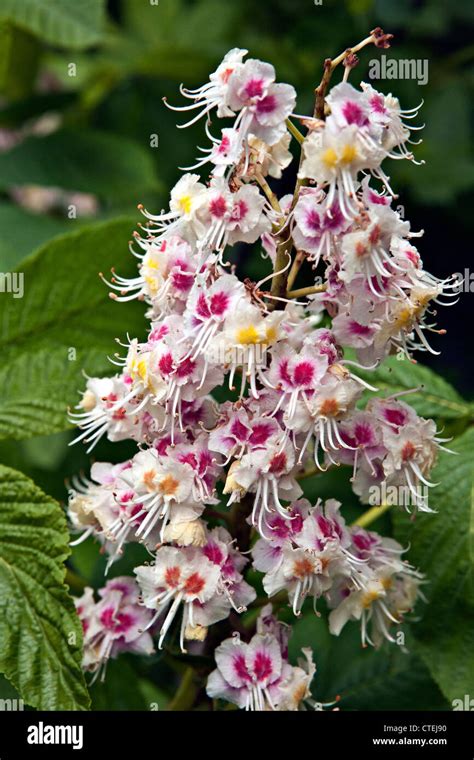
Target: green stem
186,693
371,515
301,292
294,131
268,192
74,581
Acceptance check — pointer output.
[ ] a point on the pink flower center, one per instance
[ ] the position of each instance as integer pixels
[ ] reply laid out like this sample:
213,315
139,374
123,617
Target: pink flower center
219,303
239,211
218,206
353,113
267,104
262,666
304,373
278,463
165,364
254,88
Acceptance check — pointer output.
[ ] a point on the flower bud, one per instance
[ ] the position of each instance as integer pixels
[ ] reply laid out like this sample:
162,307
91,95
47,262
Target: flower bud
186,533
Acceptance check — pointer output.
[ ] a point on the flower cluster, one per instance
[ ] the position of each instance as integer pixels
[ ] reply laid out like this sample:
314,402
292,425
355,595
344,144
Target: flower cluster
257,675
360,574
115,624
205,580
296,402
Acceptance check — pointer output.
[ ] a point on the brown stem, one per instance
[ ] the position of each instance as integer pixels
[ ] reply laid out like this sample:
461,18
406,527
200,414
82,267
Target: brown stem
295,268
240,528
284,247
321,90
218,515
268,191
280,280
376,37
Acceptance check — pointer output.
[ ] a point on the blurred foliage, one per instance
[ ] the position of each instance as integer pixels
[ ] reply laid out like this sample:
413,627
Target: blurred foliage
45,345
81,114
444,548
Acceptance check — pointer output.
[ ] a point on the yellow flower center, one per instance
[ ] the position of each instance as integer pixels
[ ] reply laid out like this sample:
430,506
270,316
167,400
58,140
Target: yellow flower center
271,334
142,369
369,597
330,158
185,203
248,335
349,153
152,283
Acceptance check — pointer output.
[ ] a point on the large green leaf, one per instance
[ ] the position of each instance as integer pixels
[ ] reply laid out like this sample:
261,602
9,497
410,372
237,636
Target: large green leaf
23,232
442,546
436,399
40,633
65,23
87,161
65,324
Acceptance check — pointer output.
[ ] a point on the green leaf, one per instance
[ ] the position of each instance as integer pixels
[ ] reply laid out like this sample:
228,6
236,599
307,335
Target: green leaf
40,633
23,231
120,690
60,22
364,679
155,698
65,324
125,689
442,546
437,398
87,161
14,114
19,56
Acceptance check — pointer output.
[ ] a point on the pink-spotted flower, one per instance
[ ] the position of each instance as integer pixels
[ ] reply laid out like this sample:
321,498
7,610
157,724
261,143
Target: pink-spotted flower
114,624
257,675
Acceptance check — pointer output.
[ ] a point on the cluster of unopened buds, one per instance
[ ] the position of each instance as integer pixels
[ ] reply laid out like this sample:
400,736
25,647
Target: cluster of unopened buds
297,403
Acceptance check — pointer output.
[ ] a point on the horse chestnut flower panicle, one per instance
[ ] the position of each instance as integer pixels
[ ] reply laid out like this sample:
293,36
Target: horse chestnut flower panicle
297,403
